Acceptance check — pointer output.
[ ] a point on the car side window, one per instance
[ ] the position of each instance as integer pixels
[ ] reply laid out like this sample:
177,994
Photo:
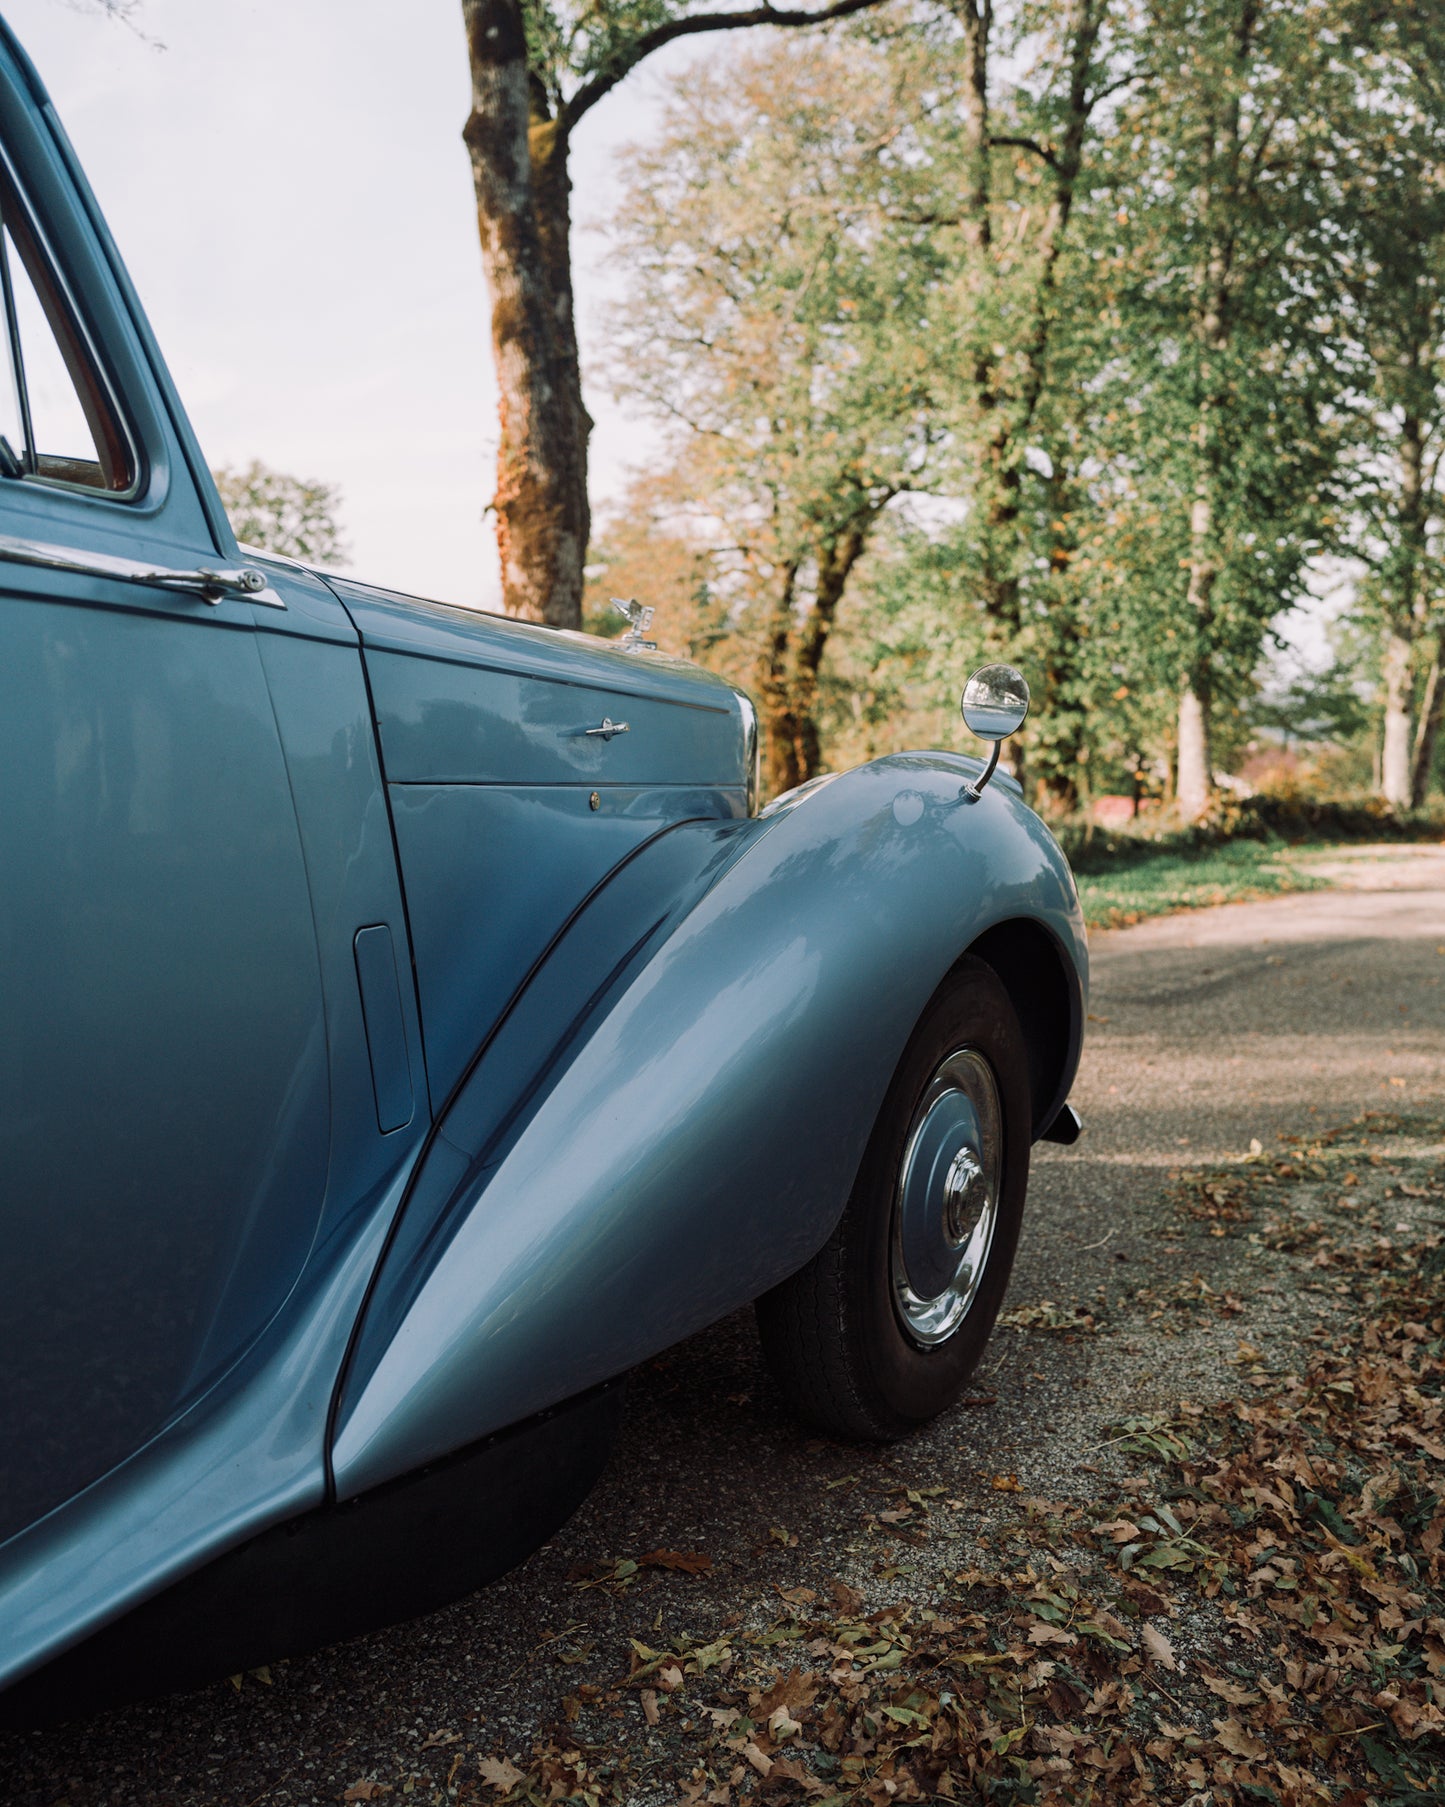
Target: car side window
58,419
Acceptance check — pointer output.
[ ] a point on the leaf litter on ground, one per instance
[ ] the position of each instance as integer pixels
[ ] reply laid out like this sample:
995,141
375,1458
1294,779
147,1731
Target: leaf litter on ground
1259,1616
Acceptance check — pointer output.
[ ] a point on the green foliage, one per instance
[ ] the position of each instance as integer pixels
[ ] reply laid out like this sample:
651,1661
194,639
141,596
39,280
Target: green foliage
1102,386
1313,706
780,329
568,45
275,512
1246,850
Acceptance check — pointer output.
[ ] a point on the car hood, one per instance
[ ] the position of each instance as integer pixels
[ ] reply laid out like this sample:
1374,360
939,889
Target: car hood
394,622
463,697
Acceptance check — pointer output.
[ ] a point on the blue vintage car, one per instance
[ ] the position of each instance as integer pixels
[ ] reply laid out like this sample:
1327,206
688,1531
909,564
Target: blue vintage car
410,1024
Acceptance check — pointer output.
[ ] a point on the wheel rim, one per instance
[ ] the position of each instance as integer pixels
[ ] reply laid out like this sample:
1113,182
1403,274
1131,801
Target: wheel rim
946,1207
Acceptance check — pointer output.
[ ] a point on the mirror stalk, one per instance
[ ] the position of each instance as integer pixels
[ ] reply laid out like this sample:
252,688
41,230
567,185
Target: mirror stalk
972,791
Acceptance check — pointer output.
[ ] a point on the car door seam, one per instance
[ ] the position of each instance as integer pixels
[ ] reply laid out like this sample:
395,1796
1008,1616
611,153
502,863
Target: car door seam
436,1132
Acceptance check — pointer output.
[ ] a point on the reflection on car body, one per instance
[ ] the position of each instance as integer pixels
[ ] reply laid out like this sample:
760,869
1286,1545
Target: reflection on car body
411,1025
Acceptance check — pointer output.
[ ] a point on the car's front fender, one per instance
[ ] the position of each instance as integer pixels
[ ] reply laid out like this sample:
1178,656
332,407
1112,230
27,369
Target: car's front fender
670,1117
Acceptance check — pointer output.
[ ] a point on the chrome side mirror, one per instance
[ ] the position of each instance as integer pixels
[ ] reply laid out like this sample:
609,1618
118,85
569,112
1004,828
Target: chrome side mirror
994,703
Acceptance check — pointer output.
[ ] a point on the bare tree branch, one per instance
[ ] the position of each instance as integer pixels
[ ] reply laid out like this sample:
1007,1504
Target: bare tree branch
1124,81
1026,144
626,60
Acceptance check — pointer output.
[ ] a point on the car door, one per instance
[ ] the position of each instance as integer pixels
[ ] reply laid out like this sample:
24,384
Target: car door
164,1119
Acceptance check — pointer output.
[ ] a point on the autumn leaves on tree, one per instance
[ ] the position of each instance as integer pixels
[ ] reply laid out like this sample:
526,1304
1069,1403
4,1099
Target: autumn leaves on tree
1083,334
535,73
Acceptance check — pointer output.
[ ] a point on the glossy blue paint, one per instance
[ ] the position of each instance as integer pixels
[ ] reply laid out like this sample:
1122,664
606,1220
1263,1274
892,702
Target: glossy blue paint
165,1135
248,1455
508,808
251,1451
463,732
597,953
385,1028
323,714
165,1127
492,873
698,1138
250,856
448,723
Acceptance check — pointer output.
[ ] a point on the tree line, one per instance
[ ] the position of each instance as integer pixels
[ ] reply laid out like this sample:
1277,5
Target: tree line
1078,334
1083,333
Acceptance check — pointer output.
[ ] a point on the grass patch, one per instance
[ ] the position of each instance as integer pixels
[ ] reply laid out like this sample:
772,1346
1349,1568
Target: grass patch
1241,851
1128,881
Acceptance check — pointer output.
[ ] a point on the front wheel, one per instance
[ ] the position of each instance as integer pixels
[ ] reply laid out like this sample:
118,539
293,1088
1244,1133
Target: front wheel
882,1328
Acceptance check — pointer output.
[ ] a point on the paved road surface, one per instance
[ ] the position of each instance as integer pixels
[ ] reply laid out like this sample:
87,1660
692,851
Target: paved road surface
1211,1028
1219,1025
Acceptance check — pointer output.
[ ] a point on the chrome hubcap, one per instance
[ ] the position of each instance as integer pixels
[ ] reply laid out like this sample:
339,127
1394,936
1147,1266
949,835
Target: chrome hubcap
947,1200
965,1194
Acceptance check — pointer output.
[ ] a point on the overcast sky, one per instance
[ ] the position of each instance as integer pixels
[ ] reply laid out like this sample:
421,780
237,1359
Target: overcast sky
288,186
287,182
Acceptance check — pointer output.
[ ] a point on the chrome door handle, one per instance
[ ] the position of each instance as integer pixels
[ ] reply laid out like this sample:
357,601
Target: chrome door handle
609,728
210,583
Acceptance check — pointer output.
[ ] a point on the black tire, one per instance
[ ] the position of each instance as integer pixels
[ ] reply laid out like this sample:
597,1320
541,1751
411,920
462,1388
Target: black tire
838,1335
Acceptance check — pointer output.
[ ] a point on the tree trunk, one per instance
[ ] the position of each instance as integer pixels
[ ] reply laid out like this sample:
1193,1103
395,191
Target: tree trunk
788,678
1014,412
552,205
1395,773
998,477
976,18
835,562
1194,787
1005,405
1220,198
519,168
1432,705
775,703
1061,755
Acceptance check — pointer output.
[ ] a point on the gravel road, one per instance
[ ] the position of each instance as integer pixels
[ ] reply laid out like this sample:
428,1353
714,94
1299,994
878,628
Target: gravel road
1208,1030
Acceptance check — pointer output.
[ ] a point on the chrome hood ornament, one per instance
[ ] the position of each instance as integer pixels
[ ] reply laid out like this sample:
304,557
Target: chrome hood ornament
639,618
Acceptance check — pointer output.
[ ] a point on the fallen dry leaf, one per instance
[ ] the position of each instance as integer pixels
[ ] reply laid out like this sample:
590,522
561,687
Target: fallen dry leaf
501,1773
848,1598
1221,1685
796,1690
1232,1736
1042,1633
761,1762
687,1562
1271,1531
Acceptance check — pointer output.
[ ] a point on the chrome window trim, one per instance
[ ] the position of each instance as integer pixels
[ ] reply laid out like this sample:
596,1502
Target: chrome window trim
140,479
